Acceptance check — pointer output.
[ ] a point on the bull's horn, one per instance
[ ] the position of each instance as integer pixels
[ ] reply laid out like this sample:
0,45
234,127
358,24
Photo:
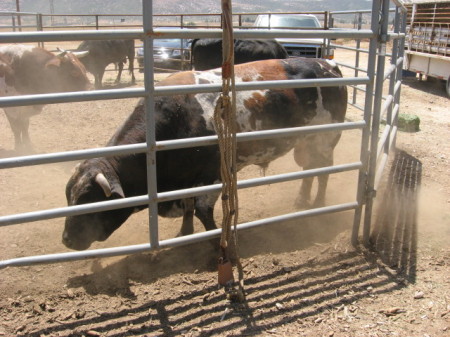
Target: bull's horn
104,184
61,53
80,54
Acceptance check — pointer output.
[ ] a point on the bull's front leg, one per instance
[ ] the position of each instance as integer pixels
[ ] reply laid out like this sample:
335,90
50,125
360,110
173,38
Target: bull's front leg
325,158
314,152
187,227
204,210
321,190
119,74
303,199
19,122
98,77
302,156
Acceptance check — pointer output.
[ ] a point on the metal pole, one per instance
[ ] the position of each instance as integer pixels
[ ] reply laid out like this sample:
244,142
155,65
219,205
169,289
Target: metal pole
401,54
150,113
384,20
19,19
52,12
40,27
361,194
358,46
393,78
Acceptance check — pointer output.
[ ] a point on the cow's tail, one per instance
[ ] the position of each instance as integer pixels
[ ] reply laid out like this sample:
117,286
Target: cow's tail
192,52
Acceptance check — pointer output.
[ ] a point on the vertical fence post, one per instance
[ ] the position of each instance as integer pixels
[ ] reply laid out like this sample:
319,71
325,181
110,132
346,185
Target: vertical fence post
329,23
150,114
393,78
384,20
358,46
40,27
361,194
401,54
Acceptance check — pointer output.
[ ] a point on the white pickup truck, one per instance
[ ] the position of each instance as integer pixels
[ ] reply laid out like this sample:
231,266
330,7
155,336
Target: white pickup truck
305,47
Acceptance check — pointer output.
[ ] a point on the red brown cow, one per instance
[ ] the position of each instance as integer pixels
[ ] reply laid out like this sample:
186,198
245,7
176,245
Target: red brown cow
34,70
185,116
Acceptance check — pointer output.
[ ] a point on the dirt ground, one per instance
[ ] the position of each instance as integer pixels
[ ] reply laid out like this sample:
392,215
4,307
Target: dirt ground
301,278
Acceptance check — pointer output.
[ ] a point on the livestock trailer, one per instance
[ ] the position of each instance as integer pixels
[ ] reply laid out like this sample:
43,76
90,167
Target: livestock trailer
428,39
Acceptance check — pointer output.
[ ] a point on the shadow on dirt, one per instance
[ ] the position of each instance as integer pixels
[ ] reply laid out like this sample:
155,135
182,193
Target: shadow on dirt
7,153
395,232
430,85
307,290
116,278
113,85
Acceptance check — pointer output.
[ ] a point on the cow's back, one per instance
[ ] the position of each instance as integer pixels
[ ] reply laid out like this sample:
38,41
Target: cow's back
107,51
256,109
207,53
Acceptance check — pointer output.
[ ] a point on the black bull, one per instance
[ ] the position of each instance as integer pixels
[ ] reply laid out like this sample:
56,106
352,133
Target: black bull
101,53
185,116
207,53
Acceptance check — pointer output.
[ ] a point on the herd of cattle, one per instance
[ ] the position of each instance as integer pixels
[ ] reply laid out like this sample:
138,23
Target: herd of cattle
32,70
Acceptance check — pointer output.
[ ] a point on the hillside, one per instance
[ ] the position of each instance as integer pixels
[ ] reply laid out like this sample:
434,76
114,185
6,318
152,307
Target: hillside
178,6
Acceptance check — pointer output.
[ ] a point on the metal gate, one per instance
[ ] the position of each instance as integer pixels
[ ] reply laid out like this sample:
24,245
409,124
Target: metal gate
374,149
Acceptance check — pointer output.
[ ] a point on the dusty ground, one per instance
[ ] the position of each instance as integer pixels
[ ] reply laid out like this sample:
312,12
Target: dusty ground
302,279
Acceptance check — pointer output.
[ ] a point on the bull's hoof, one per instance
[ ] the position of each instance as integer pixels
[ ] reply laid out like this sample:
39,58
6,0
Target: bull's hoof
180,234
24,150
319,203
302,203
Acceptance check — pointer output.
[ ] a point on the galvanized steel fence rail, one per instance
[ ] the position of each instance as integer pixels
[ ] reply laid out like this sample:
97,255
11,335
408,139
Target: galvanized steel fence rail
370,125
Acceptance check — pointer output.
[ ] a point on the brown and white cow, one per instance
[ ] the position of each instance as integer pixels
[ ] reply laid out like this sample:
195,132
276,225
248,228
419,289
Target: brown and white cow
34,70
185,116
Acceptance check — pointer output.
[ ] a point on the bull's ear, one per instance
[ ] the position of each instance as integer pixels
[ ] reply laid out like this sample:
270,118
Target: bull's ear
54,62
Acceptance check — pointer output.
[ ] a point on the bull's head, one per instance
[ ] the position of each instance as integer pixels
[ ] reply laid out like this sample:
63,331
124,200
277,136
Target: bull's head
92,182
65,72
